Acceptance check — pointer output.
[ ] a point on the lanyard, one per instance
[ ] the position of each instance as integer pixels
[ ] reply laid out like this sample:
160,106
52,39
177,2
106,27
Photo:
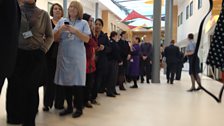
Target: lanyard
28,20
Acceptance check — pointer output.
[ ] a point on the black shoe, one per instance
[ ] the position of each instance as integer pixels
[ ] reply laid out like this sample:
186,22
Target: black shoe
77,114
46,109
148,82
66,112
111,95
142,81
134,86
14,122
88,105
94,102
122,88
168,81
171,82
102,91
59,108
191,90
197,89
117,93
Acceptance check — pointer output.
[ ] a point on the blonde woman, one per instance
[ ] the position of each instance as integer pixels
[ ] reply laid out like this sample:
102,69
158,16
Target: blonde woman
72,33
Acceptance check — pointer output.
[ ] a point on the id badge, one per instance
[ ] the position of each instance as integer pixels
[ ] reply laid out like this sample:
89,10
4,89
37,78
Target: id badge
71,36
27,34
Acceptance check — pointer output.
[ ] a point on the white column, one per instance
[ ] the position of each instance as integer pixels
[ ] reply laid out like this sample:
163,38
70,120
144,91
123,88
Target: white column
169,22
156,41
97,10
65,4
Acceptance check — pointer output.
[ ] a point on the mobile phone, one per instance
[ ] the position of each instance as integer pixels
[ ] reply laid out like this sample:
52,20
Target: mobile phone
66,23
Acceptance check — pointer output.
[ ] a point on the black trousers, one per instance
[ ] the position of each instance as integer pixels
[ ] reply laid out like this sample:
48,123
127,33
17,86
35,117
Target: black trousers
122,70
75,95
171,71
53,94
101,77
2,80
112,77
89,86
145,68
22,98
179,70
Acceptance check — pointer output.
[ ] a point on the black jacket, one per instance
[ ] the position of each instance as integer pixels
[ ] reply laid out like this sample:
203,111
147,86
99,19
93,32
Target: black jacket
124,49
102,56
172,54
10,23
115,54
146,50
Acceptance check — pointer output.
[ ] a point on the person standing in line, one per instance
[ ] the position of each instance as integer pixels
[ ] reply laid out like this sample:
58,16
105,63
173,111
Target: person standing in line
125,50
53,94
101,60
9,38
145,60
114,59
134,69
72,33
189,53
35,38
172,54
91,46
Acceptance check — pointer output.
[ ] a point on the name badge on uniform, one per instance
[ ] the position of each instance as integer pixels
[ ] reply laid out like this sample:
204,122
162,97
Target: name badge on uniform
71,36
27,34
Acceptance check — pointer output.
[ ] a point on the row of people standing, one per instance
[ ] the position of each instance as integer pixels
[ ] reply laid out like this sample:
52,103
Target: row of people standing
70,69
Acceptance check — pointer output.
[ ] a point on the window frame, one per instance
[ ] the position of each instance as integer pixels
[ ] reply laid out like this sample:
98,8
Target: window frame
191,8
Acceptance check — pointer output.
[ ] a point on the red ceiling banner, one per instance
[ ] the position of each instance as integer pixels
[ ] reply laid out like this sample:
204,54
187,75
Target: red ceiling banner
134,15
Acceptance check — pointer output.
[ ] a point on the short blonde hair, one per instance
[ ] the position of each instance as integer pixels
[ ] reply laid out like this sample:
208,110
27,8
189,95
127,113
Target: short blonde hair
79,8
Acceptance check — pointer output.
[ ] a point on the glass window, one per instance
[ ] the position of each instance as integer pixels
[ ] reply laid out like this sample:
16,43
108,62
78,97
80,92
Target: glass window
49,6
111,27
187,12
199,4
191,8
181,18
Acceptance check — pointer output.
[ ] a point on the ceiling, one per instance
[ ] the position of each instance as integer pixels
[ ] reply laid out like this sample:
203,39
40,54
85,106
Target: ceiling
144,7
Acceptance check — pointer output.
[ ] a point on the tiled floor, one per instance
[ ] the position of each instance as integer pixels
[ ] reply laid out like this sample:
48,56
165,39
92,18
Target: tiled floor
150,105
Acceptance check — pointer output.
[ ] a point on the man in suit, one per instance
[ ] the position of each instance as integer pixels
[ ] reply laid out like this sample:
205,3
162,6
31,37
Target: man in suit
145,60
172,54
10,21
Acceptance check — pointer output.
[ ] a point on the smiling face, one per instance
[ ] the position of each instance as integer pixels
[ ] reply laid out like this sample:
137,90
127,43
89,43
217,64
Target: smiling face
57,11
98,26
75,10
72,11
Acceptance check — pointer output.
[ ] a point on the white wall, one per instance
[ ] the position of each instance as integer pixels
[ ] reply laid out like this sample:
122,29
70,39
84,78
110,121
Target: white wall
191,25
88,5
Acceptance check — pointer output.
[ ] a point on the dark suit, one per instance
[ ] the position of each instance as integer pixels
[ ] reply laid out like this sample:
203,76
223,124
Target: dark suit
172,54
145,65
10,14
180,66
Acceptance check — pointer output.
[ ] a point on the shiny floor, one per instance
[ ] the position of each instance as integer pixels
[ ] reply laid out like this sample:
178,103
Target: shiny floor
149,105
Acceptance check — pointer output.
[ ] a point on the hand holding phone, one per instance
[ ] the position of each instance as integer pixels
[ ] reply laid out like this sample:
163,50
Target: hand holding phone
66,23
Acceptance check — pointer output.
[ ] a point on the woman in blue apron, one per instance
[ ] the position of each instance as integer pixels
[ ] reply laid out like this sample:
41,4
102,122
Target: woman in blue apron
72,33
